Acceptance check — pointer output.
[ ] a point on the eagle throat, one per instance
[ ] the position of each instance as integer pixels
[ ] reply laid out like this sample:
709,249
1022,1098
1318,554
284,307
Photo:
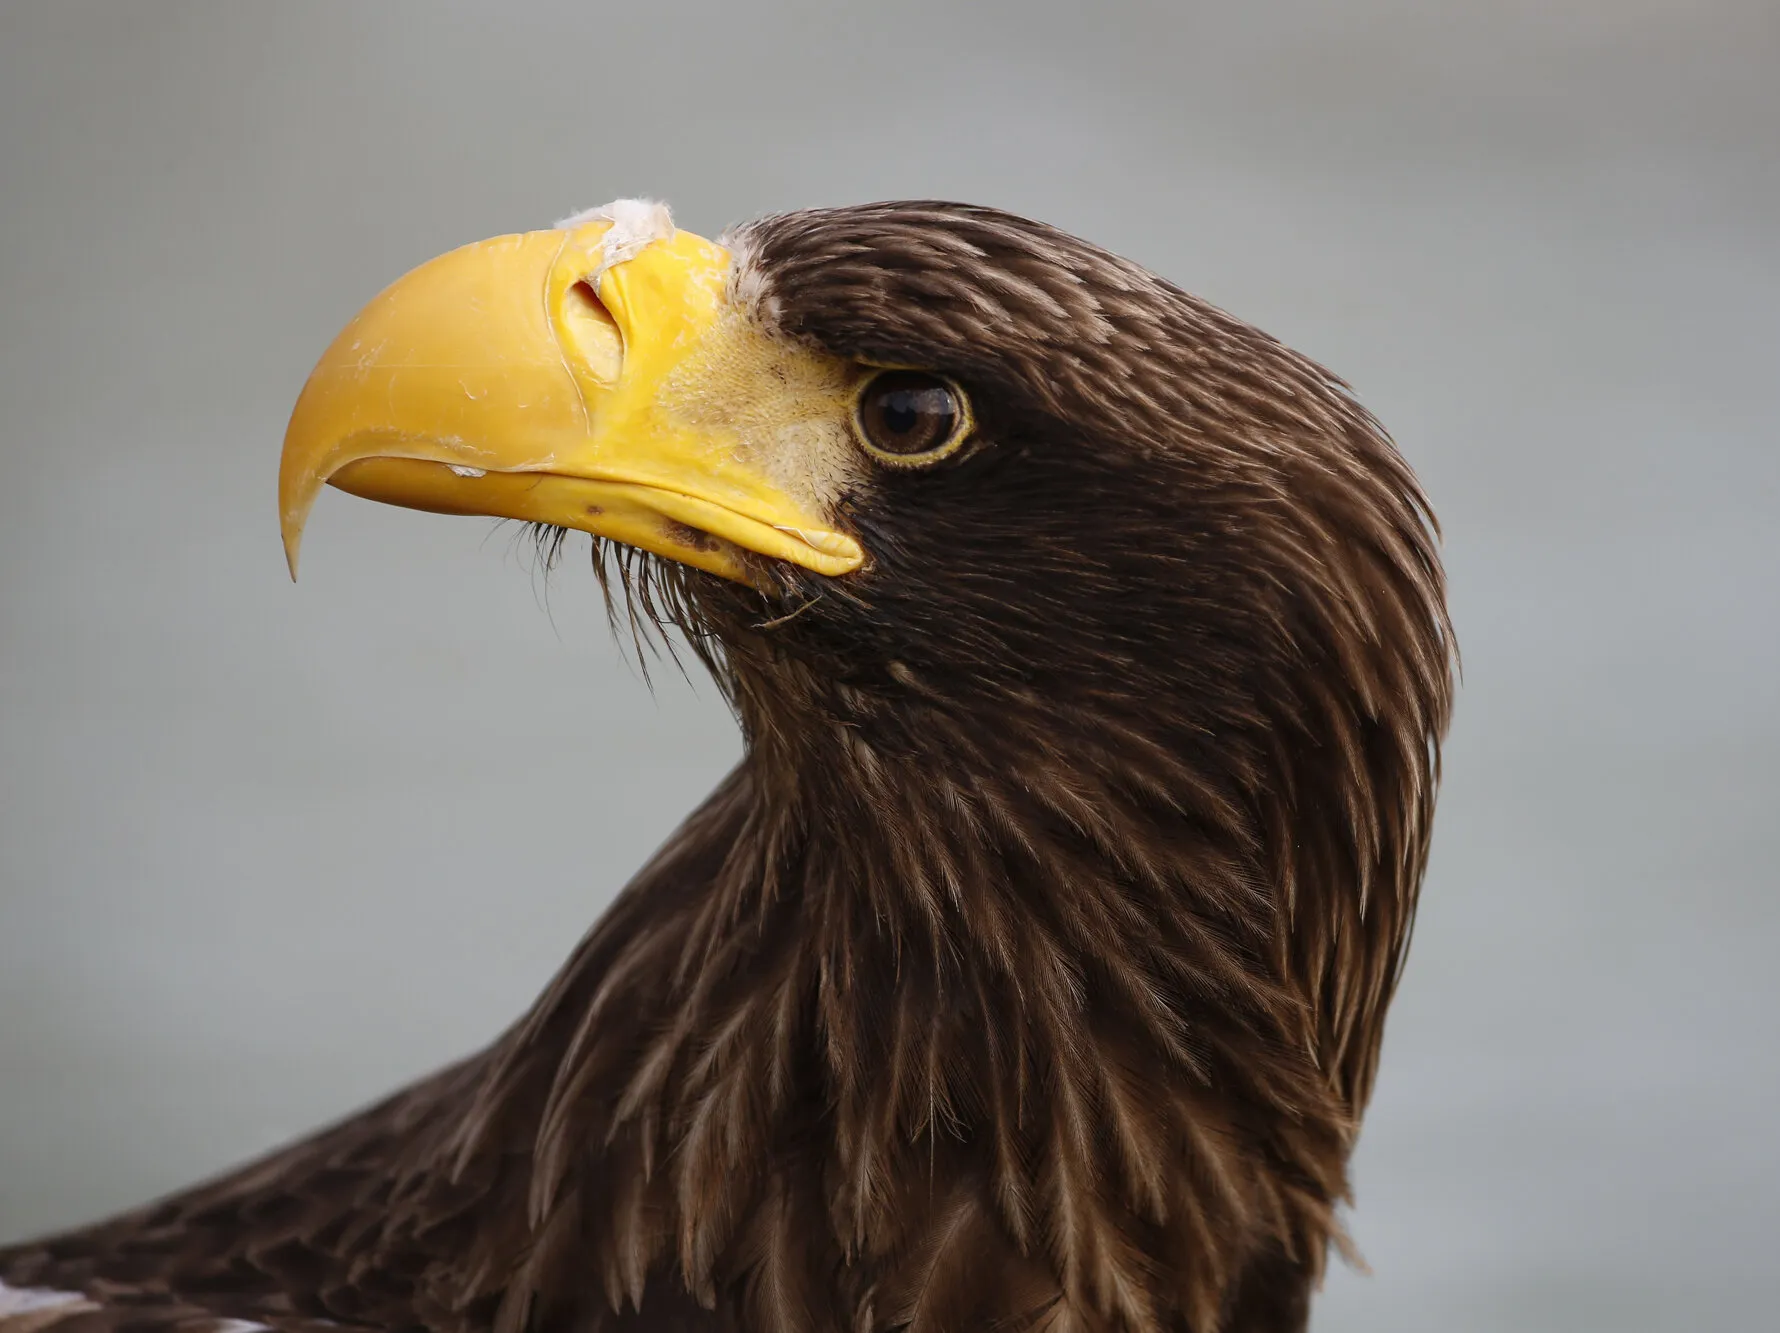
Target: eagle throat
911,963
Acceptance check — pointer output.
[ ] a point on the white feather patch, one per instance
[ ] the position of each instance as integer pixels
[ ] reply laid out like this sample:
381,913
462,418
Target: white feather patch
27,1300
19,1302
748,290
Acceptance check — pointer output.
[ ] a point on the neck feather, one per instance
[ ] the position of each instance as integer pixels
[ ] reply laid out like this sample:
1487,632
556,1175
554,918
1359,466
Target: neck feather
1058,988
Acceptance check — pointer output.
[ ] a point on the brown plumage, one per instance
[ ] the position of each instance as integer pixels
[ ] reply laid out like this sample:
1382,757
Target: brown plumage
1030,970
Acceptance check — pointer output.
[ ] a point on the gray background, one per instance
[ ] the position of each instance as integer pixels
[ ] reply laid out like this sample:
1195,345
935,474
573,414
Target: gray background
268,851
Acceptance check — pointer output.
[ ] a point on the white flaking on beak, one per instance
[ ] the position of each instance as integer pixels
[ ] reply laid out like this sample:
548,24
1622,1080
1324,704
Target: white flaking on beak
636,224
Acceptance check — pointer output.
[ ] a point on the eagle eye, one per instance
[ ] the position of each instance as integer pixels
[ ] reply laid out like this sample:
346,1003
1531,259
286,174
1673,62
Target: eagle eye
909,418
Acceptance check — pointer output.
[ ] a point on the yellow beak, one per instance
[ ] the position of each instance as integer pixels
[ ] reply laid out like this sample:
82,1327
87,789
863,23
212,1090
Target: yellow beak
522,378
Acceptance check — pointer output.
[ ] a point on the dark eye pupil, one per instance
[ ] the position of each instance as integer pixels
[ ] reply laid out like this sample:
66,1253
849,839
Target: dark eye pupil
907,413
902,411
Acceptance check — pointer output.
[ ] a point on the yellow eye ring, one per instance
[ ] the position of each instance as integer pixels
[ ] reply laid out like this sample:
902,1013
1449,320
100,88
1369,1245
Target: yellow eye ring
911,418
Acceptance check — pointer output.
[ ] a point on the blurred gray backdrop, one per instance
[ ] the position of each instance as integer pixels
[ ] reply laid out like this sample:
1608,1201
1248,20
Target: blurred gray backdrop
266,852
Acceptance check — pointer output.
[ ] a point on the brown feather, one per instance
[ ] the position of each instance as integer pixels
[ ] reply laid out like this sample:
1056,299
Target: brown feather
1030,971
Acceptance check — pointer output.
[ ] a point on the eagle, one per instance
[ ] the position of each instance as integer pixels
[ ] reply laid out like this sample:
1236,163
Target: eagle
1029,971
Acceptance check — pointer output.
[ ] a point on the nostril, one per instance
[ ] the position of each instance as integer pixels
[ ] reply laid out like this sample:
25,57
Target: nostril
592,332
586,301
